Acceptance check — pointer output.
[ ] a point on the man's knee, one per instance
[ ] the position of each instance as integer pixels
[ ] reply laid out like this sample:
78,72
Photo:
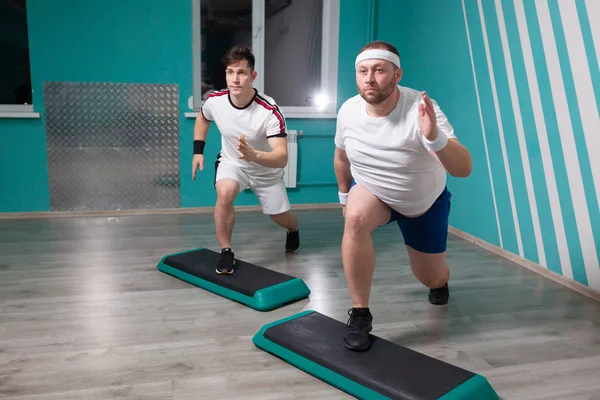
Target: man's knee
227,190
364,211
358,221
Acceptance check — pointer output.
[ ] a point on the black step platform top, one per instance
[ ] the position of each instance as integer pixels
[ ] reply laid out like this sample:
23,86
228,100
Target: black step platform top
387,368
247,278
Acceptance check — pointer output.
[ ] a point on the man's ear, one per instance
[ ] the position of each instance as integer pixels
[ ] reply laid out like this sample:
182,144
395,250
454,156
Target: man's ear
398,74
254,73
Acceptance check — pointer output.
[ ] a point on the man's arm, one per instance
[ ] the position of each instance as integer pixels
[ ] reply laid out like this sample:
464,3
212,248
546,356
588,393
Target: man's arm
341,165
201,127
438,137
276,137
200,132
455,158
277,157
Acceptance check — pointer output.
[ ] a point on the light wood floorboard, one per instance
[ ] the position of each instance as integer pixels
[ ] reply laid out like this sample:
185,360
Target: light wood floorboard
85,314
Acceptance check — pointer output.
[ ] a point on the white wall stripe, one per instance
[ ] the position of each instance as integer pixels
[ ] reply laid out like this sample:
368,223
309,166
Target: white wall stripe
583,84
500,130
521,136
593,10
588,109
485,146
538,114
580,206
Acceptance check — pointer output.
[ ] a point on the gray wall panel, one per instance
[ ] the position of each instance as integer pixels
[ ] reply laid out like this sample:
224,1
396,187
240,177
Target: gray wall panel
112,145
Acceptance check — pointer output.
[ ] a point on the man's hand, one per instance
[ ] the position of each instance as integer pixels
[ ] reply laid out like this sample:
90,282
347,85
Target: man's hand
197,161
248,152
427,118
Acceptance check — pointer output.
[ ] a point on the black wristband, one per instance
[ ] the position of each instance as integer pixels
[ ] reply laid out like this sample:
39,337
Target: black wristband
199,146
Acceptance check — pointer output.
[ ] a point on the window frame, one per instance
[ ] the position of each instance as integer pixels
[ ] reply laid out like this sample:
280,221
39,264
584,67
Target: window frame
18,111
329,59
16,108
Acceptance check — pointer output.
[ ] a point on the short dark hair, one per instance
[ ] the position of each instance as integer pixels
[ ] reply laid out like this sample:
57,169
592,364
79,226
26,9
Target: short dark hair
380,44
238,53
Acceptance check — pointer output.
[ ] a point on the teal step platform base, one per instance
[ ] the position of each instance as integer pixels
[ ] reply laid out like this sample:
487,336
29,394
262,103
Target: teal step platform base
259,288
313,343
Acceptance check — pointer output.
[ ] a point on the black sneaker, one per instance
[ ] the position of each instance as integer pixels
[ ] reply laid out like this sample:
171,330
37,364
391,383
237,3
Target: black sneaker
359,325
226,262
292,241
439,296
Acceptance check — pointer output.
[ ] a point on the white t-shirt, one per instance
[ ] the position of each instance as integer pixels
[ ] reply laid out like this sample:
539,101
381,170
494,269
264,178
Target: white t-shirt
259,120
389,156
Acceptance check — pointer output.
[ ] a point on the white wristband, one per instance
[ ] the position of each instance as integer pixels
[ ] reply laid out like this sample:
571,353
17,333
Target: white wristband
343,197
438,143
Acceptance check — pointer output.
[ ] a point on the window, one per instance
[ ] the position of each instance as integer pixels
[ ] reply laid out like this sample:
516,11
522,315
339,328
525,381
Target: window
295,43
15,77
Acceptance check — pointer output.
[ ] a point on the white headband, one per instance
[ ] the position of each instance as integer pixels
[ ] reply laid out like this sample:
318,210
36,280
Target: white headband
378,54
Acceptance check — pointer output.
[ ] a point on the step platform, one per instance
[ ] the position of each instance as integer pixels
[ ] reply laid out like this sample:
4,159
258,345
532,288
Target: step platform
257,287
314,343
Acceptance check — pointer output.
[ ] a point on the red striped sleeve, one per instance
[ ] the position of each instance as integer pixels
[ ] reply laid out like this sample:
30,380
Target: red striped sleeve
218,93
275,111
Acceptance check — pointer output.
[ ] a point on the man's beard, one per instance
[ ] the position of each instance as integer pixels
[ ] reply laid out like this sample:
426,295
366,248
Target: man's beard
379,96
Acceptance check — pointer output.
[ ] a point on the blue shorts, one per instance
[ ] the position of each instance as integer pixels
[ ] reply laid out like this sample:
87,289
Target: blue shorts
427,233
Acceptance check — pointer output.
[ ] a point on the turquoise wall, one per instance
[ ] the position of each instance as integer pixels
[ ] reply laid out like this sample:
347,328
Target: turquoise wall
147,41
520,83
23,167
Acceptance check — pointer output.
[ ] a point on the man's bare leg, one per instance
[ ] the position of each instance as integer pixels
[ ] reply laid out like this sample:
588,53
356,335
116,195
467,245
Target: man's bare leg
227,190
289,221
432,271
363,213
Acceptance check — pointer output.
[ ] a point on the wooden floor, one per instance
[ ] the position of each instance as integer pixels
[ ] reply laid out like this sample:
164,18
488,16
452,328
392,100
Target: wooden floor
85,314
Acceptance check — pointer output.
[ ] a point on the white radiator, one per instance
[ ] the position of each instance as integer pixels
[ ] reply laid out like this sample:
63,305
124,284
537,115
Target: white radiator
290,170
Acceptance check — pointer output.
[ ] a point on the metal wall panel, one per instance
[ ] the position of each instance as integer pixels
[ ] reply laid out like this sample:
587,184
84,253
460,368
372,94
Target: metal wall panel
112,145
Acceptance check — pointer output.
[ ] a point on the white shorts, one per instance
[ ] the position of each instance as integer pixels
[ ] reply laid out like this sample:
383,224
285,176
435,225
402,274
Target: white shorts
270,191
